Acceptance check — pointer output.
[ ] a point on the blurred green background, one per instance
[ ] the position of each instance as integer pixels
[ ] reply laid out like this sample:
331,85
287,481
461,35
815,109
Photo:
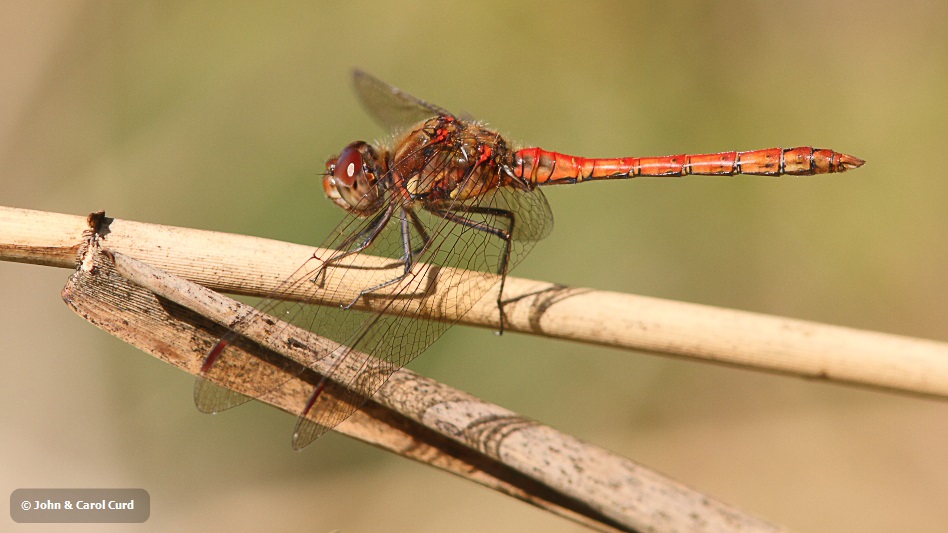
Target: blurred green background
220,116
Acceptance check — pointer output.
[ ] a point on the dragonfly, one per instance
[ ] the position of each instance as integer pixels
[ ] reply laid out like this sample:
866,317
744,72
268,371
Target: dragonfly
446,195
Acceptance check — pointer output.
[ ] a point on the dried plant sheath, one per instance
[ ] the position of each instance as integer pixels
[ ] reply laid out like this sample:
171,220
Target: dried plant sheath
411,415
181,338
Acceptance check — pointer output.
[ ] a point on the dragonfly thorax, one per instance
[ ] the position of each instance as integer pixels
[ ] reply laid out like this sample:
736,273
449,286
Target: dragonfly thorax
446,160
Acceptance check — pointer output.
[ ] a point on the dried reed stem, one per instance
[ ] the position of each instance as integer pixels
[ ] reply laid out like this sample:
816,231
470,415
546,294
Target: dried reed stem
252,266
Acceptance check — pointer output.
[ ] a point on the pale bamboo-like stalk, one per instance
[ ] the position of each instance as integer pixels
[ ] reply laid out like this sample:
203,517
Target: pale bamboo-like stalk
253,266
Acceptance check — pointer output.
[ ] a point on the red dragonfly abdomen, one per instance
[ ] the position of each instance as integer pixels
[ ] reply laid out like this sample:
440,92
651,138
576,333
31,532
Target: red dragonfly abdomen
541,167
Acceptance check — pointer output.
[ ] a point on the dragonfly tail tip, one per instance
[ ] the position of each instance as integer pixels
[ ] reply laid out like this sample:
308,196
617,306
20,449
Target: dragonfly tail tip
848,162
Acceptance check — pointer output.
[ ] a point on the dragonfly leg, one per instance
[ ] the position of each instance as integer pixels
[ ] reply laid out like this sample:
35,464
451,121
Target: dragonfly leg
407,260
420,228
455,215
368,236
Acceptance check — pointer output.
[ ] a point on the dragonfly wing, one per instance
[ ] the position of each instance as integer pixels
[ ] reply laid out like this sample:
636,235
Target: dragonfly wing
239,374
210,397
380,331
533,218
392,108
389,340
381,337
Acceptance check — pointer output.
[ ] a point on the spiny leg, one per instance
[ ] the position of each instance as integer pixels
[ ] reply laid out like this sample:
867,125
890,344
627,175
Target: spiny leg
369,234
505,235
408,258
420,228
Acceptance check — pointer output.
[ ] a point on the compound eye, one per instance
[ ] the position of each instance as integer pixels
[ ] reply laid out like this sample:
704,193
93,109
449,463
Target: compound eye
348,166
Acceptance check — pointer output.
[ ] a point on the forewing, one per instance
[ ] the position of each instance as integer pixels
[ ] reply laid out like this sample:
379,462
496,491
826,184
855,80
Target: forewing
392,108
238,376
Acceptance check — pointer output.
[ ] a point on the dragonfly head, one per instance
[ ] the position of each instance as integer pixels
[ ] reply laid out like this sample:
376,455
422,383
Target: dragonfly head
350,180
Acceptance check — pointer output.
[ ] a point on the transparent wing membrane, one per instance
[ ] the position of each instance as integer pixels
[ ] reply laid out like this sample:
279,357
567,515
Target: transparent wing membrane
392,108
